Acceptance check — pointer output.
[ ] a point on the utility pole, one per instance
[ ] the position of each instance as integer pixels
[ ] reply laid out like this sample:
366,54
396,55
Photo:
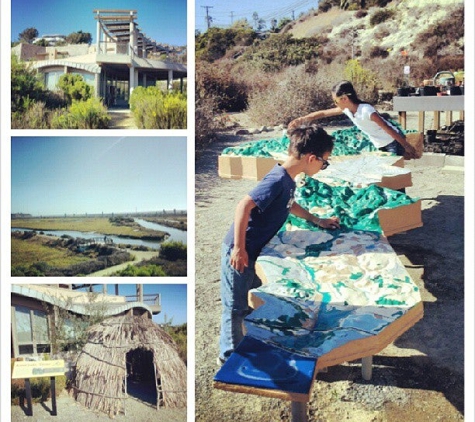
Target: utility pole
232,16
208,17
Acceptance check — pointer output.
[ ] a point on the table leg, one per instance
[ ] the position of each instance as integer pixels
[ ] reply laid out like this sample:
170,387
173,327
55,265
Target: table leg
299,412
402,119
436,120
421,121
367,367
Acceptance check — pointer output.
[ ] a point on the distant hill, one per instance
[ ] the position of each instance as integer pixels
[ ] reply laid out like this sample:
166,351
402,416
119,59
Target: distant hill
405,23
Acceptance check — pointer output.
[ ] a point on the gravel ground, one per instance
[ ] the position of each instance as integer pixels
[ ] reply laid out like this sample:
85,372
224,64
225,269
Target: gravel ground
68,410
420,377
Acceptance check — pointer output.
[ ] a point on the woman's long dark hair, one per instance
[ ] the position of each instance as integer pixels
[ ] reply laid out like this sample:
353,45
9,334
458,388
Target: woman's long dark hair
347,88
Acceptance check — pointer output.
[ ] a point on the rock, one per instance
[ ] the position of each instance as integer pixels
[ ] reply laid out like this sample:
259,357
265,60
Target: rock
241,132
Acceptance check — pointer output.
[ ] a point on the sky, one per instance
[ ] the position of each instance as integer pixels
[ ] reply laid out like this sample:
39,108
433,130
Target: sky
173,300
224,13
78,175
163,21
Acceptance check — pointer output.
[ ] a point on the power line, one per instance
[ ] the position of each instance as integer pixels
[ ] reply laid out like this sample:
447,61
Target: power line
208,17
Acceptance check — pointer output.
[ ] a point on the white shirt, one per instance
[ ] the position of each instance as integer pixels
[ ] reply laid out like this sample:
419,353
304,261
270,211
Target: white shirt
362,120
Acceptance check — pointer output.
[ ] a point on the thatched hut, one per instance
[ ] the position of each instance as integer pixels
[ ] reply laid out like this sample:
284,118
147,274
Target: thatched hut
122,347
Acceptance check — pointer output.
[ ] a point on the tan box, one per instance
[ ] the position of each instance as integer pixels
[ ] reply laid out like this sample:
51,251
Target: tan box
397,182
400,219
417,141
245,167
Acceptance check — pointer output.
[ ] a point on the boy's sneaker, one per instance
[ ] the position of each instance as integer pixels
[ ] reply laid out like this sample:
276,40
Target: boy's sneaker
220,361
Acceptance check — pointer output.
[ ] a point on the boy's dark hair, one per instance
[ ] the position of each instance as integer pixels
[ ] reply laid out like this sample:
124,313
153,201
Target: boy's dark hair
309,140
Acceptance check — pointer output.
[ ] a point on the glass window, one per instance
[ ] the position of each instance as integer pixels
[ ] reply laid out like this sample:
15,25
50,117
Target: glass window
23,324
40,327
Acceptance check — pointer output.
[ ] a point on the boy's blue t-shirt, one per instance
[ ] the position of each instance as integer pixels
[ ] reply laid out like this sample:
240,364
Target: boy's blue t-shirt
274,196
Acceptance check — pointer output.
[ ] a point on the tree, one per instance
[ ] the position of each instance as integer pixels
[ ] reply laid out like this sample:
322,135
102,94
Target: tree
28,35
79,38
74,87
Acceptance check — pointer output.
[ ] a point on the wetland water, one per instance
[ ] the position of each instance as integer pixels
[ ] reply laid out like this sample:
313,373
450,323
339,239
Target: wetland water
175,235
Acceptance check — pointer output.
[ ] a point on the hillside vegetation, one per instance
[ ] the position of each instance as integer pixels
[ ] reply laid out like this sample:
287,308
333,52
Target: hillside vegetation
291,70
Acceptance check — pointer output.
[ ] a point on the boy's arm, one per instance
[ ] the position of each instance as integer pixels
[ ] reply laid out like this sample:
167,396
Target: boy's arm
324,223
320,114
239,256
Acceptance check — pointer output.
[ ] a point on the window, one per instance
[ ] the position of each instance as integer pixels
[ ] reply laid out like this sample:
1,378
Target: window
31,334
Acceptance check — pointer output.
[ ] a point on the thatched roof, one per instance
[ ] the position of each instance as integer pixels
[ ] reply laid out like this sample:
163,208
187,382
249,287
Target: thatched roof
101,366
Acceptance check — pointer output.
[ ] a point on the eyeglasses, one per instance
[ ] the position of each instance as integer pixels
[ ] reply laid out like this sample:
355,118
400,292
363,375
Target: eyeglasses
325,163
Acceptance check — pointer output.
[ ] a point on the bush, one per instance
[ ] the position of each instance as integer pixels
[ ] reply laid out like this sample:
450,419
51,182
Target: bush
34,117
74,87
154,109
381,16
376,51
89,114
282,50
294,93
366,82
206,127
143,271
216,81
26,88
173,250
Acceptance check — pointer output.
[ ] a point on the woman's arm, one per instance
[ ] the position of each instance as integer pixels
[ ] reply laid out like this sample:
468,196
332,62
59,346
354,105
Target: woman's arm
376,118
320,114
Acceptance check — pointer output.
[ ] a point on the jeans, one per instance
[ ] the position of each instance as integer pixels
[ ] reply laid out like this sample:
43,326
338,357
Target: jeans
395,147
234,290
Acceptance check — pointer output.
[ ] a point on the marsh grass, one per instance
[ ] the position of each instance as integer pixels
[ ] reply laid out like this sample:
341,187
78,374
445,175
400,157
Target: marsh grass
33,251
100,225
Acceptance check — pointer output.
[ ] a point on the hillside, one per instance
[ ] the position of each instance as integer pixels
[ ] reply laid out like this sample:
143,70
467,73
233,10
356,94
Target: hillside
399,32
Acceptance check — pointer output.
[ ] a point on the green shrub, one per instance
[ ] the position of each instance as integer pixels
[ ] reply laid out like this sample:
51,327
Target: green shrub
381,16
154,109
282,50
26,88
89,114
173,250
179,335
74,87
142,271
366,82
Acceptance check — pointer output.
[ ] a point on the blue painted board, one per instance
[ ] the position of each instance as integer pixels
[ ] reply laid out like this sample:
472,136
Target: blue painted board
260,365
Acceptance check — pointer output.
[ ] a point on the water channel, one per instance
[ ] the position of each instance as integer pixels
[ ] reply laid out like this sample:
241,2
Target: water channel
175,235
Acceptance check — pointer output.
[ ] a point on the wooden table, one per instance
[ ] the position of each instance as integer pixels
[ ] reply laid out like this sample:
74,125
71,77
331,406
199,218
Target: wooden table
447,103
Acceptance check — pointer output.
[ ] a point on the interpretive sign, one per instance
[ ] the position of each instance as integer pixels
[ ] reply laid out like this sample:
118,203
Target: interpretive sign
33,369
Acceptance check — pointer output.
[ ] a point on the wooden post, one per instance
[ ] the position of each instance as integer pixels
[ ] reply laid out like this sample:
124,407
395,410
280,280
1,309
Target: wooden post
421,121
436,120
402,119
54,409
299,412
448,118
29,404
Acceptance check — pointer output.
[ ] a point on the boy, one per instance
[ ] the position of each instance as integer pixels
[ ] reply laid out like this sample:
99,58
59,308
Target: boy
258,217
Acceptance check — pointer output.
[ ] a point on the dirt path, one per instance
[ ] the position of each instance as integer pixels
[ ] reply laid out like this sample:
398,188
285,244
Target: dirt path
121,119
139,257
418,378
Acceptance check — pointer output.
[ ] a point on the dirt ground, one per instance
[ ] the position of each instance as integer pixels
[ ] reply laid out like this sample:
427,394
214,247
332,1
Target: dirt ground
420,377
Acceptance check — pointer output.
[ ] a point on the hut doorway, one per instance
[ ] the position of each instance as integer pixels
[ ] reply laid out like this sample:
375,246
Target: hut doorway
142,380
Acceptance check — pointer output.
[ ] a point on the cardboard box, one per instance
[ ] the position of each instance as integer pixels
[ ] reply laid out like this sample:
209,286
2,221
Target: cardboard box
417,141
245,167
400,219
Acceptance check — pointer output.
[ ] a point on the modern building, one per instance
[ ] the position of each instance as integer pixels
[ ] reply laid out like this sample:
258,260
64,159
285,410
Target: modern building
37,310
121,59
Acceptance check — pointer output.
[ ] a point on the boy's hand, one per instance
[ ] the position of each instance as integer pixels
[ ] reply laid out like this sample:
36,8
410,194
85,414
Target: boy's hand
329,223
239,259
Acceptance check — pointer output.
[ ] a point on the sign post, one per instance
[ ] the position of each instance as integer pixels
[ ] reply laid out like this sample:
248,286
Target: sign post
33,369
